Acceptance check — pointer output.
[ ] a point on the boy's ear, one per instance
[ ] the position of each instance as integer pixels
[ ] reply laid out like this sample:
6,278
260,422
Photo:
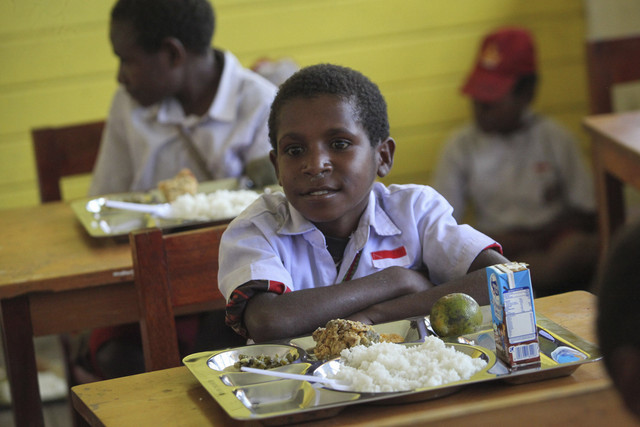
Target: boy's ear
175,49
273,156
384,153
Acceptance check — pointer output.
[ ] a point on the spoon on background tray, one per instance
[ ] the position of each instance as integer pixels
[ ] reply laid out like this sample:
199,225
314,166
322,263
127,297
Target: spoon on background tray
161,210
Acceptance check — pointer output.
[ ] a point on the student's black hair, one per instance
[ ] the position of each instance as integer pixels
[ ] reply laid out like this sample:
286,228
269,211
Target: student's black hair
190,21
328,79
618,288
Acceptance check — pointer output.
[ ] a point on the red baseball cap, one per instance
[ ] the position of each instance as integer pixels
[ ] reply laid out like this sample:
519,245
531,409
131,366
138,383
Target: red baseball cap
505,55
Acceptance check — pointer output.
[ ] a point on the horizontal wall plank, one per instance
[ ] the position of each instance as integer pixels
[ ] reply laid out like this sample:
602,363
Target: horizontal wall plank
314,22
44,106
43,62
27,18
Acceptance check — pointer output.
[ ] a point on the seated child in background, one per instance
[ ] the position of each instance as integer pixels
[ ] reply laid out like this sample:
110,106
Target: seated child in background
338,244
618,322
181,103
520,173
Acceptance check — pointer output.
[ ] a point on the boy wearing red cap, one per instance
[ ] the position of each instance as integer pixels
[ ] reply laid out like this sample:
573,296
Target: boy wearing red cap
520,173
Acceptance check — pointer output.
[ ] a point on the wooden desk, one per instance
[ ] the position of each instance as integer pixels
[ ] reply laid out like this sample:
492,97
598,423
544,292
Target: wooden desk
55,278
584,398
615,149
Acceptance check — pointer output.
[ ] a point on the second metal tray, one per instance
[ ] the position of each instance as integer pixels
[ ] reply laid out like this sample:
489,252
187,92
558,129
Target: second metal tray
100,221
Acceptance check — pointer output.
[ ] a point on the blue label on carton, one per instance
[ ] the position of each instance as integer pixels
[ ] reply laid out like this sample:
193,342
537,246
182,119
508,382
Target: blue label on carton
513,314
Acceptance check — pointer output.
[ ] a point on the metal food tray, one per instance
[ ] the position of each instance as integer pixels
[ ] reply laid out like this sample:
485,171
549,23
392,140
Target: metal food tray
248,396
100,221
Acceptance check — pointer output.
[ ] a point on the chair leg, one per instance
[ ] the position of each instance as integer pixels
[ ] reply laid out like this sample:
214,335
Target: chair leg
65,344
75,375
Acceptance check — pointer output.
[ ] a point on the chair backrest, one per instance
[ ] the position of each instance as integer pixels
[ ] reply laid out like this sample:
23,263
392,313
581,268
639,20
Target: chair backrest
610,62
64,151
172,271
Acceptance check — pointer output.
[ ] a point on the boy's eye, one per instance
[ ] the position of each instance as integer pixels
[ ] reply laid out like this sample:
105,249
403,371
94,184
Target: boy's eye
293,150
340,144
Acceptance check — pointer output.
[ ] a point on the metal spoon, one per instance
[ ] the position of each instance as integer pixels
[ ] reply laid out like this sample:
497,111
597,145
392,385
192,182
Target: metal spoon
162,210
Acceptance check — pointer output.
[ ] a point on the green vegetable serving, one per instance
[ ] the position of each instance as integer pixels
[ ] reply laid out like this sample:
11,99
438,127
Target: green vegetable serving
264,361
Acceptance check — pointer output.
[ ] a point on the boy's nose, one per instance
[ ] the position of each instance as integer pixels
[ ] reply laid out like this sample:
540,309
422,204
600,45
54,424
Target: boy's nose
317,164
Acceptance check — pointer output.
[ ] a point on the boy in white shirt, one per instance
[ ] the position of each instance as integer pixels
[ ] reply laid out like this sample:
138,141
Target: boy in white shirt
181,103
337,244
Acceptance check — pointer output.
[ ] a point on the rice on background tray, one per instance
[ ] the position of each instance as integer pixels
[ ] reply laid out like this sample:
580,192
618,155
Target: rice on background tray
221,204
387,367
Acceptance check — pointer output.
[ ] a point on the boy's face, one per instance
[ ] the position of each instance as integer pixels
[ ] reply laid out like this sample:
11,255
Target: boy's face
147,77
503,116
325,162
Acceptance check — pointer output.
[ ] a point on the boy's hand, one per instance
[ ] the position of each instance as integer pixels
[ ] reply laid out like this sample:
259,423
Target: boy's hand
413,280
362,316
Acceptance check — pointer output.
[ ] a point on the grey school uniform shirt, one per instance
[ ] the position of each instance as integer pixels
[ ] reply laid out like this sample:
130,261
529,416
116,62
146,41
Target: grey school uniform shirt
525,179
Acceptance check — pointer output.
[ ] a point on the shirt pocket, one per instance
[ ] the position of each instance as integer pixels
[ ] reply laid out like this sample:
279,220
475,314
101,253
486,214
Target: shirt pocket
391,257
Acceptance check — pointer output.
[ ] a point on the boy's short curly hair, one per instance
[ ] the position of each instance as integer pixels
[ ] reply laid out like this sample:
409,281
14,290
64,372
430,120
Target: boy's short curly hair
328,79
190,21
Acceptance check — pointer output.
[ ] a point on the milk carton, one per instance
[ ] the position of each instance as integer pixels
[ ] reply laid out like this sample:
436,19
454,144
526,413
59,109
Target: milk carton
513,315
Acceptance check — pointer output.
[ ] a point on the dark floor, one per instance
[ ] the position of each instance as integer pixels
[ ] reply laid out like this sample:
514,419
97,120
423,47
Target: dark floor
56,413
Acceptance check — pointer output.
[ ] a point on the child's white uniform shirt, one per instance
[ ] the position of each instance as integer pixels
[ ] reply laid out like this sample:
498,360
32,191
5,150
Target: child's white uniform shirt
405,225
143,145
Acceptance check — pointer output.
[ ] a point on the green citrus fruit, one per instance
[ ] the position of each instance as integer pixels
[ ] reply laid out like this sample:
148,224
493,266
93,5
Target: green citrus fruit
455,314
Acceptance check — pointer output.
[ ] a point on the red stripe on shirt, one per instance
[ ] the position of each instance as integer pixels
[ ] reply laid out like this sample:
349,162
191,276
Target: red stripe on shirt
393,253
495,246
278,287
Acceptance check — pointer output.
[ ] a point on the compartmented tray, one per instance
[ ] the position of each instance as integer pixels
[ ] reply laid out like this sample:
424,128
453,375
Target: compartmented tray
248,396
100,221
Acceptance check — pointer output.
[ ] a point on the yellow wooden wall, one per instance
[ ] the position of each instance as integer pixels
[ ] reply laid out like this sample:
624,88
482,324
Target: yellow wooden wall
56,65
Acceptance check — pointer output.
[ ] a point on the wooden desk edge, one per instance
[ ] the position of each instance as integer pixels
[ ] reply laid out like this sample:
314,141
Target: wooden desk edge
81,408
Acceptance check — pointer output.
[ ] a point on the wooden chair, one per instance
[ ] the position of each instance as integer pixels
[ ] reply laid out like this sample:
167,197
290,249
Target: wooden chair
64,151
609,62
173,272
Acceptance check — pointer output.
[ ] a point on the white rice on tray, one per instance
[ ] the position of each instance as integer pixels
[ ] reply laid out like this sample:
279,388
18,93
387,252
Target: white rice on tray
386,367
220,204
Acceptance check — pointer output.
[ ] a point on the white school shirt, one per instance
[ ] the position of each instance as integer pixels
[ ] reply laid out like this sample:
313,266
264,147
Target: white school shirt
524,180
404,225
143,145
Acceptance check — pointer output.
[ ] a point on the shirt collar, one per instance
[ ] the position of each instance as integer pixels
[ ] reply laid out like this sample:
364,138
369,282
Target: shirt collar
295,222
224,104
373,217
